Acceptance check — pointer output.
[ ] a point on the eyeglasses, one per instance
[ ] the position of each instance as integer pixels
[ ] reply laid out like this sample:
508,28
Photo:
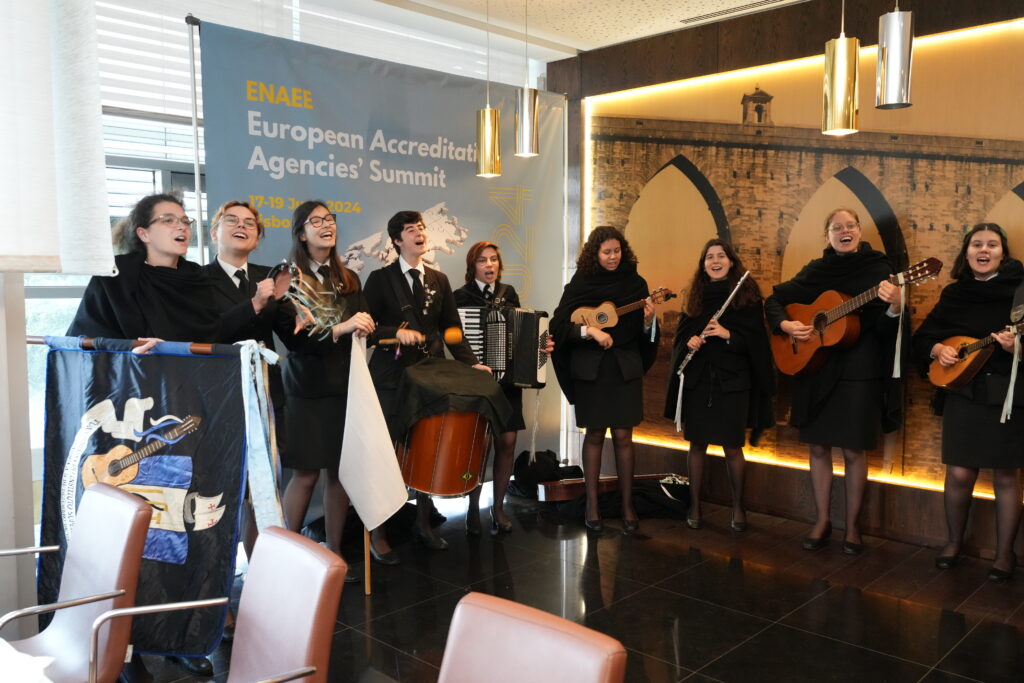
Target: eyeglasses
317,221
839,227
169,219
232,221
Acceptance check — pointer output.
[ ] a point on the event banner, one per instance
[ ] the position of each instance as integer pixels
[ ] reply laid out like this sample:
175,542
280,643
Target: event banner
285,121
170,429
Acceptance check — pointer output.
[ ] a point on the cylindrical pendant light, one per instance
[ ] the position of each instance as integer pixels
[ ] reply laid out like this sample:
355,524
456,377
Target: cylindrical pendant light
895,53
488,125
488,142
527,144
840,87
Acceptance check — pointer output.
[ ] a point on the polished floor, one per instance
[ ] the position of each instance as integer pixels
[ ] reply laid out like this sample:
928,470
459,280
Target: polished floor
695,605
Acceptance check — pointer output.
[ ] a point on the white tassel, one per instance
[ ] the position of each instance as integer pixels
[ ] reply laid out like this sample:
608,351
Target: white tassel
679,404
654,328
899,333
1008,403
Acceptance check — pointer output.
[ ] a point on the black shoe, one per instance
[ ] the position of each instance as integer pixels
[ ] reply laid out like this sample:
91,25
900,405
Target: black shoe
473,525
811,543
1002,575
947,561
694,523
197,666
430,542
851,548
498,528
389,559
630,526
593,524
738,527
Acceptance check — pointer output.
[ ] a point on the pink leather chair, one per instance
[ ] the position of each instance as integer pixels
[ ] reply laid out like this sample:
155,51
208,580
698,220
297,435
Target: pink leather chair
101,569
500,641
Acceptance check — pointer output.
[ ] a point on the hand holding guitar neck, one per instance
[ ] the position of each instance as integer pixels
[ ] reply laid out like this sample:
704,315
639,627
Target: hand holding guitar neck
958,359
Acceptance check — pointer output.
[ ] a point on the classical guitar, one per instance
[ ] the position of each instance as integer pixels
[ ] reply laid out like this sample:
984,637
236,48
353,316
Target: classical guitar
120,465
971,356
833,325
607,315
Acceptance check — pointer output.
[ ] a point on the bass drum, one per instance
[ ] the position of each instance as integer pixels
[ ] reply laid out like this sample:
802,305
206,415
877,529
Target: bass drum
445,454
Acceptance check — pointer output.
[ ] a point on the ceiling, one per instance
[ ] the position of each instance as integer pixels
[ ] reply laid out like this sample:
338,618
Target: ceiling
568,26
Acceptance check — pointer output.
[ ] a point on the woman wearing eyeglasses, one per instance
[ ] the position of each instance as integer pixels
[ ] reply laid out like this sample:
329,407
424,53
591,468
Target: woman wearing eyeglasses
158,293
316,374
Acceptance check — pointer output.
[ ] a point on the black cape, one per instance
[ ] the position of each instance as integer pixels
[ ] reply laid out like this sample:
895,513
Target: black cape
748,327
972,308
620,286
873,354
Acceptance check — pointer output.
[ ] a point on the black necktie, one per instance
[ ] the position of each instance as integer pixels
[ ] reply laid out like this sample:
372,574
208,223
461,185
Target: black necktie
417,288
243,281
325,273
488,294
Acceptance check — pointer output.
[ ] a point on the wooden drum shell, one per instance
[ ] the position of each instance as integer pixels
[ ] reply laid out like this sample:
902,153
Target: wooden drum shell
446,454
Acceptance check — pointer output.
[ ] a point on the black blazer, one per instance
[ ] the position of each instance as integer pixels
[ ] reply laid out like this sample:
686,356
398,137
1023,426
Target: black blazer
227,296
386,308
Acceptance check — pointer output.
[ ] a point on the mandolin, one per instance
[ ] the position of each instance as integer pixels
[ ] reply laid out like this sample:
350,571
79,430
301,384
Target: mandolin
120,464
607,315
972,354
833,325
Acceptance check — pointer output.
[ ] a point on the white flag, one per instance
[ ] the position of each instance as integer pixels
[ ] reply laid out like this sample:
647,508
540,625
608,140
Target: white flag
368,468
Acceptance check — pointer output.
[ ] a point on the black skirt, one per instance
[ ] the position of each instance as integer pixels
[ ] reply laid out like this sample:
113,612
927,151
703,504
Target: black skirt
609,401
515,397
850,417
972,435
314,427
712,417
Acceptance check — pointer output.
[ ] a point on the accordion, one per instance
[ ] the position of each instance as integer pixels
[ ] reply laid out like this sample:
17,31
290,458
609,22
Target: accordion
509,342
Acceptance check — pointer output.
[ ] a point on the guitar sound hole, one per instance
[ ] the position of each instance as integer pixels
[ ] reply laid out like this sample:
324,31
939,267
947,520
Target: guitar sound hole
602,318
114,469
820,322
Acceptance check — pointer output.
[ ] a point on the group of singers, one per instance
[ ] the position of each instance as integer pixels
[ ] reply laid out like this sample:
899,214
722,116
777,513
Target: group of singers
728,387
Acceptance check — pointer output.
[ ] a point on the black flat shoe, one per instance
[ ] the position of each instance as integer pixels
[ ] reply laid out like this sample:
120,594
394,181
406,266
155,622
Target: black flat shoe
630,526
851,548
593,524
947,561
472,529
1002,575
429,542
694,523
389,559
738,527
498,528
198,666
812,543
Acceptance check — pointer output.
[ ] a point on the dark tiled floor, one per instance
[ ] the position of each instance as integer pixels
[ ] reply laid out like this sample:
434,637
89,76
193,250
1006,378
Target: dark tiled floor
705,605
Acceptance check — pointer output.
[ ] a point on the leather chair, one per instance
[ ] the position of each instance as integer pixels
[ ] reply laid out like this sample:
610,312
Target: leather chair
499,641
287,612
101,569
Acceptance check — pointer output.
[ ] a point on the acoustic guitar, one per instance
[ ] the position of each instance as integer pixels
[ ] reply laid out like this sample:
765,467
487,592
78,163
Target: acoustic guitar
607,315
971,353
833,325
120,465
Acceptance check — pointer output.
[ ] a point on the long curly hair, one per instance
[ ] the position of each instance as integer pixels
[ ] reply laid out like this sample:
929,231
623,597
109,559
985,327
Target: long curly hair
125,238
961,269
587,262
749,293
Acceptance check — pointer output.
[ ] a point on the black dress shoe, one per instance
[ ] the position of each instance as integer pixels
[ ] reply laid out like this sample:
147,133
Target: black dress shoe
947,561
812,543
429,541
593,524
498,528
630,526
738,527
473,527
390,558
1002,575
851,548
198,666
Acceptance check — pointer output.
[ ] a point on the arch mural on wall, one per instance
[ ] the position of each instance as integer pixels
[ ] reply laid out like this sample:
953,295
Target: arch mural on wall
676,212
847,188
1008,212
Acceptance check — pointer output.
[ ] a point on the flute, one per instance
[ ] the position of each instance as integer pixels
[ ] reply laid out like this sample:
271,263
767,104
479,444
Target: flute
714,318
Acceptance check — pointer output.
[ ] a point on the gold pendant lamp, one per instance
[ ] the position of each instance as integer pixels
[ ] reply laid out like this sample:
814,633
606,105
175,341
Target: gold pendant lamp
840,87
488,125
527,143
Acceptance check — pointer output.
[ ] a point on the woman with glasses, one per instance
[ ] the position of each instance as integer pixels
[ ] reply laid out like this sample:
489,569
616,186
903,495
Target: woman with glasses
157,293
316,374
843,404
977,304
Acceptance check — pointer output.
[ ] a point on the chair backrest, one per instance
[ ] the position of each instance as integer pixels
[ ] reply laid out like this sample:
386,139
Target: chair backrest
103,555
499,641
288,608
